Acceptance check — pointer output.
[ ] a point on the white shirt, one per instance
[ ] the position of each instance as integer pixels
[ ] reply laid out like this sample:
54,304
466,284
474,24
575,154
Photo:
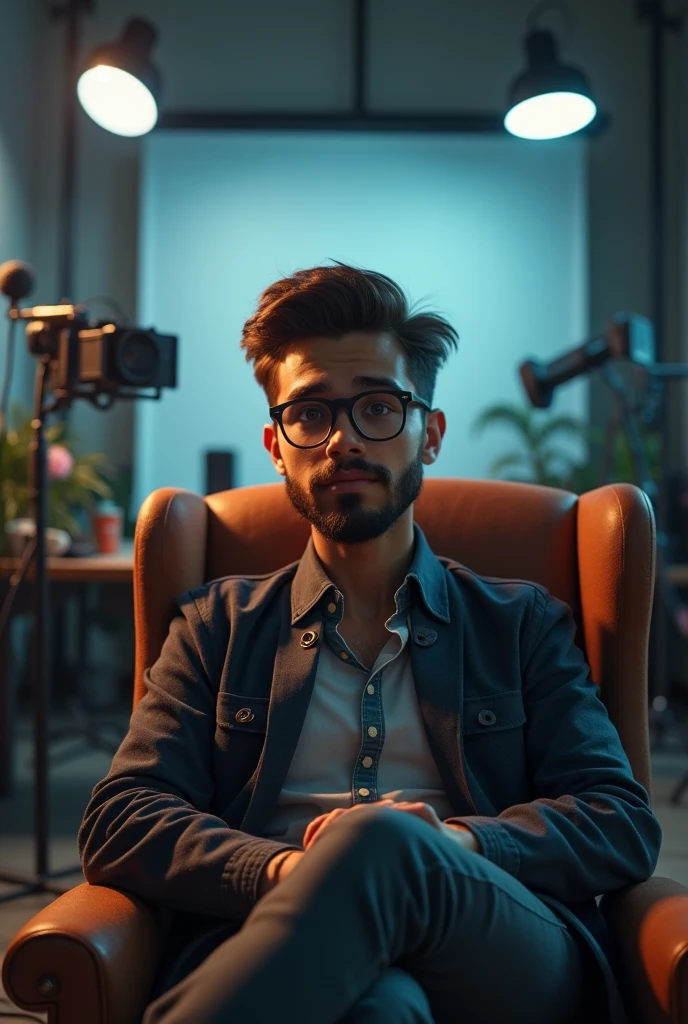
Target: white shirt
338,760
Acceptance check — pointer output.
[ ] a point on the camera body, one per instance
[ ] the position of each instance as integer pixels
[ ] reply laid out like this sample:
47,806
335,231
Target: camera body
100,360
109,358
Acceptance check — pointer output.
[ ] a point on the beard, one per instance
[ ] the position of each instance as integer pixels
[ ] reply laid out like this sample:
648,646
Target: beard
352,523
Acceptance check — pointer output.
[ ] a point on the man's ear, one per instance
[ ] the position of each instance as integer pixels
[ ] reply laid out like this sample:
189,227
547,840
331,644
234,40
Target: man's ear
434,432
271,444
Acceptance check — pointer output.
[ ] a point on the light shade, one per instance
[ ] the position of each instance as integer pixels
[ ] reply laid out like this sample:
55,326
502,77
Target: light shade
549,99
119,87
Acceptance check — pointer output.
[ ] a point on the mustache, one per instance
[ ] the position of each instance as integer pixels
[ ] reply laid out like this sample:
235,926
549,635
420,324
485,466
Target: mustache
324,477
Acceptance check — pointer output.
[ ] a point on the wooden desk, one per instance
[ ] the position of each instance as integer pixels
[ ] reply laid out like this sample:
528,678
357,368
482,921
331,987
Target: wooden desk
117,568
64,574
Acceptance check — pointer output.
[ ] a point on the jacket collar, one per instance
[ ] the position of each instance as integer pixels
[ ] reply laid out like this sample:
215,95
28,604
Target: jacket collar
311,580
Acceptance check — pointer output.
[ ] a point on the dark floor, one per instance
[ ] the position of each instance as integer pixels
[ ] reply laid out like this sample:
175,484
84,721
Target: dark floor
71,783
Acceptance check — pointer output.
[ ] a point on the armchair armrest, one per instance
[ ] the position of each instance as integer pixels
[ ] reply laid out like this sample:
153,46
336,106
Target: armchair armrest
649,922
90,955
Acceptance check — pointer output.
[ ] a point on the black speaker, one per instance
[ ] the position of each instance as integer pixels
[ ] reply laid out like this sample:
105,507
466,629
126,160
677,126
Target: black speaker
219,471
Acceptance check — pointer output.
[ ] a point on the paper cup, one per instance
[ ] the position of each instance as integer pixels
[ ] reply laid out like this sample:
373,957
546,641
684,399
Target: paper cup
107,527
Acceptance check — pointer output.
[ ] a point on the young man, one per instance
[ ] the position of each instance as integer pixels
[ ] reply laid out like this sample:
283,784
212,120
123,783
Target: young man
421,833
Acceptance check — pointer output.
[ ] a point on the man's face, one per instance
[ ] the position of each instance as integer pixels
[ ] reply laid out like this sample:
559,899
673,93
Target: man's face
351,511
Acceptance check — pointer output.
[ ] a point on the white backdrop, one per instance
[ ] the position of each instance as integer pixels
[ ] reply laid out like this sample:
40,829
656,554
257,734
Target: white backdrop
490,231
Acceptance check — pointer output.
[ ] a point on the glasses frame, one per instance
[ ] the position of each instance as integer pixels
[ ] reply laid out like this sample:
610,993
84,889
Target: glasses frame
335,404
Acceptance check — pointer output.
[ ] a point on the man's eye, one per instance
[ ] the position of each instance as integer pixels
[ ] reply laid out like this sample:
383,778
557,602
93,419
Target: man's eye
377,409
310,414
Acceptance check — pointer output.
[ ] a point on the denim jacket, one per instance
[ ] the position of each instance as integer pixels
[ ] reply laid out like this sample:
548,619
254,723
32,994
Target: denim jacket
522,741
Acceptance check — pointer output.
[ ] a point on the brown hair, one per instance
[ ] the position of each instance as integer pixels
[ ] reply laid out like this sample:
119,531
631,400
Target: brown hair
330,302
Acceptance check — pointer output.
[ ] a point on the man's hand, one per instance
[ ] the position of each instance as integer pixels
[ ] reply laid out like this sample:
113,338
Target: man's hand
316,827
458,833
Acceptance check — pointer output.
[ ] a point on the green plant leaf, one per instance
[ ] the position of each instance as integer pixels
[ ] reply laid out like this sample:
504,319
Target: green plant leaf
545,463
557,456
509,461
519,419
562,425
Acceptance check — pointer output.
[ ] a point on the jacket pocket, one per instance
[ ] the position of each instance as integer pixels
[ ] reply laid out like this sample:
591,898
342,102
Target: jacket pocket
493,713
241,713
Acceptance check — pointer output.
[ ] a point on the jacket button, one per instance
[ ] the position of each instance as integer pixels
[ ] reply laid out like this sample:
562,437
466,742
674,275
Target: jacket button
486,717
425,637
244,715
308,638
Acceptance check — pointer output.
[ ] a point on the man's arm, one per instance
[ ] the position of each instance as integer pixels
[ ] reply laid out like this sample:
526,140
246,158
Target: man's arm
463,835
148,826
590,828
277,869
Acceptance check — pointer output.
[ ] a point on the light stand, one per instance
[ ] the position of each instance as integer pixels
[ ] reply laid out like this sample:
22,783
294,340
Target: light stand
42,879
629,337
71,11
670,605
132,53
654,12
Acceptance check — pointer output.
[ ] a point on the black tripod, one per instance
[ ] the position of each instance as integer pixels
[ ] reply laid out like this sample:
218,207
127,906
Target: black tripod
41,880
77,358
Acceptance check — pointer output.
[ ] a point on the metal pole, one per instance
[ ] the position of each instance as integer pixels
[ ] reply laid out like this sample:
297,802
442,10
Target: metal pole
360,56
41,689
657,176
71,11
660,23
658,249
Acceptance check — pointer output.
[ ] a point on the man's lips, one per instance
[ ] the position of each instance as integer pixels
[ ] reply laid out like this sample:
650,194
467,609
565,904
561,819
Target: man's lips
352,474
352,480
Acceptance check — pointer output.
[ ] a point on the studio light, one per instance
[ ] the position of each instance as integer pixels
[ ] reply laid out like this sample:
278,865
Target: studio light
549,99
119,87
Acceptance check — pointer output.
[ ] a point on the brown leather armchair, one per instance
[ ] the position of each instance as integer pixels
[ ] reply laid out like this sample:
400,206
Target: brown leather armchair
90,956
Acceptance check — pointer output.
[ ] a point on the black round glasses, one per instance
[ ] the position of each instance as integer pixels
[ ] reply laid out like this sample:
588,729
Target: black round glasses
375,415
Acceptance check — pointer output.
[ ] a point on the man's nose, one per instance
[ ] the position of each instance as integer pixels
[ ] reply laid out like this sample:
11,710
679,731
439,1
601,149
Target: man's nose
344,440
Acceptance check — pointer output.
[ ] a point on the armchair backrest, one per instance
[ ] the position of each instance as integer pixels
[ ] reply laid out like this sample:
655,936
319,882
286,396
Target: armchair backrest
595,551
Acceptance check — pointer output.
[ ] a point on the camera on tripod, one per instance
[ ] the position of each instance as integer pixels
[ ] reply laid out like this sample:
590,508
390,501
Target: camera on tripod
98,359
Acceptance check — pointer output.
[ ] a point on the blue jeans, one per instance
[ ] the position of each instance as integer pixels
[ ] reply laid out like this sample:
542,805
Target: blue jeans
387,920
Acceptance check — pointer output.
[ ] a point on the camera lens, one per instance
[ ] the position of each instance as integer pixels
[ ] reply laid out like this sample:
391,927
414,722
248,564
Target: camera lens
138,357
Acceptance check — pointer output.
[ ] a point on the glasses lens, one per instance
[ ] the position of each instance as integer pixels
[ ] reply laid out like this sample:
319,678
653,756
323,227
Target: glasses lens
307,422
378,416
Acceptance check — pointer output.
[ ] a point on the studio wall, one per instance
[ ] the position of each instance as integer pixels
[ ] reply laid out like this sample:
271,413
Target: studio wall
490,231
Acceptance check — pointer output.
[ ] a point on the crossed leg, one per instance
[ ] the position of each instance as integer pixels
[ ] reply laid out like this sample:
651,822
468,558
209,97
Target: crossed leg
396,997
385,907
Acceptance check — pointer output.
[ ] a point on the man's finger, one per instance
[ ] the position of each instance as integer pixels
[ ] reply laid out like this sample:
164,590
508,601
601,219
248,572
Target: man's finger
313,827
419,810
316,827
320,824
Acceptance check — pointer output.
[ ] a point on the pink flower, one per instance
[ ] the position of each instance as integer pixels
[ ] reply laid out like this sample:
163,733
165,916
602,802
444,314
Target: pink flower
60,462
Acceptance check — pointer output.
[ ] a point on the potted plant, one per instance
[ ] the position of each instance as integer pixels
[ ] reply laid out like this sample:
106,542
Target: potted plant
539,457
75,483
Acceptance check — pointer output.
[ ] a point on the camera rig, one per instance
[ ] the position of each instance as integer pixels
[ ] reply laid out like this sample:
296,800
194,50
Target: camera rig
98,360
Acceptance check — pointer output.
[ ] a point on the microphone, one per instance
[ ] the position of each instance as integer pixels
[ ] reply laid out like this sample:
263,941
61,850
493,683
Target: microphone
16,280
629,336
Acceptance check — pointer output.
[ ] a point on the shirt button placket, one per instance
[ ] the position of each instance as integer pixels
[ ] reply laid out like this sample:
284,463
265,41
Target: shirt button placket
373,729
